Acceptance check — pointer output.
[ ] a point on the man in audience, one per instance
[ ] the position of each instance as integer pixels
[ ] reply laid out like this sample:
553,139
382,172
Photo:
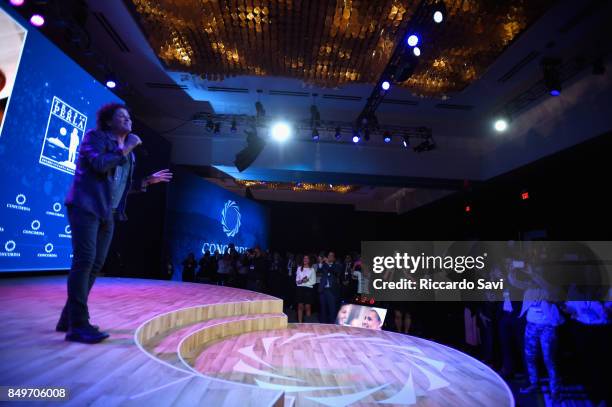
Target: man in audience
189,268
257,271
329,289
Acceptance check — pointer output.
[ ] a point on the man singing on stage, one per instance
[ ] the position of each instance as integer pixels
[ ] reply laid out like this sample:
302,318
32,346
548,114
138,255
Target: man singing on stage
102,181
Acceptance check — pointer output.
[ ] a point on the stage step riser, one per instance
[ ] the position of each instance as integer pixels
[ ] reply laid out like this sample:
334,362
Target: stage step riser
195,343
163,324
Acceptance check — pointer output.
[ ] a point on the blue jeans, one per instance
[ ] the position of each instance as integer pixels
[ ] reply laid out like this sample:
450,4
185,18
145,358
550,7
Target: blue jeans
541,339
328,306
91,239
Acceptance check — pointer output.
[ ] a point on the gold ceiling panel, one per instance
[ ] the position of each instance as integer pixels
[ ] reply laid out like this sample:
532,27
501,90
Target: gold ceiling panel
331,43
297,186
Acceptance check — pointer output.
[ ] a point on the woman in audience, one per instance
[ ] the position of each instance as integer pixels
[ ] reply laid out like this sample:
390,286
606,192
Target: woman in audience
224,269
305,279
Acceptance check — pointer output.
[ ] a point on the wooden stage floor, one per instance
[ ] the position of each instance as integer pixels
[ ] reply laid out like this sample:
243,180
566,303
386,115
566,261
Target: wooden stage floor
187,344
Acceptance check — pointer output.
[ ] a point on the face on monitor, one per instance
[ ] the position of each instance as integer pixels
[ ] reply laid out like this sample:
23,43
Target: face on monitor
361,316
13,39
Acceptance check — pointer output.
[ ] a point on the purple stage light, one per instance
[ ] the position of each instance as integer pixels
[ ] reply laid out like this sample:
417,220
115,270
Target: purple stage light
37,20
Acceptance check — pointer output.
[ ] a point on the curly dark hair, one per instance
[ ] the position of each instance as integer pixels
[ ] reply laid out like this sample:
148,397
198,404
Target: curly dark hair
105,114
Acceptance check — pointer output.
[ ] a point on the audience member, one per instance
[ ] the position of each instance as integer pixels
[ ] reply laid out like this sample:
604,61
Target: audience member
305,279
189,268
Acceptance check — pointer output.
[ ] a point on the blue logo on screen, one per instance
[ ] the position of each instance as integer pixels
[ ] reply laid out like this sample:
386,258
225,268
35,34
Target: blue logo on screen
230,218
65,129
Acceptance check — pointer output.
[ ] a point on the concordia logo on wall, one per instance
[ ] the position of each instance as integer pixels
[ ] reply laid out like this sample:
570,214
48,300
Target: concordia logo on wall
230,218
20,203
65,130
57,207
34,226
9,249
67,233
48,251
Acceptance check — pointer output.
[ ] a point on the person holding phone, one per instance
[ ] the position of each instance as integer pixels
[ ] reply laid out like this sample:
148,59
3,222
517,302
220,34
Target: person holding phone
329,289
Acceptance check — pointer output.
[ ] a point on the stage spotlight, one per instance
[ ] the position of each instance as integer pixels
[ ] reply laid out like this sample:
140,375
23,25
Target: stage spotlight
386,85
217,128
315,134
387,136
17,3
501,125
356,136
416,51
37,20
261,112
338,133
413,40
439,9
406,141
281,131
111,81
552,77
254,147
234,129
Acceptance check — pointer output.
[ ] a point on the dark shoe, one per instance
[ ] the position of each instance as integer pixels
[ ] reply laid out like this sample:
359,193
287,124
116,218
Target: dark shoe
86,334
61,327
64,327
532,388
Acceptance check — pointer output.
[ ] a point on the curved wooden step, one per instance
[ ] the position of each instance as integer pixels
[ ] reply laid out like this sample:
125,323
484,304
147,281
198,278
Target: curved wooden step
191,345
228,312
160,325
165,347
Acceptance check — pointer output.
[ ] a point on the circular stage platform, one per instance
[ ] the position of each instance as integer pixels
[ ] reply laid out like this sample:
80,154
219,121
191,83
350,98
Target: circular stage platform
334,365
177,343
